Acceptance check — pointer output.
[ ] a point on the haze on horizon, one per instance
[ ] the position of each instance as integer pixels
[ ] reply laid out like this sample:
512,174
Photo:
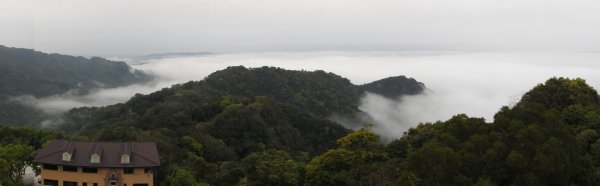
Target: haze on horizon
110,28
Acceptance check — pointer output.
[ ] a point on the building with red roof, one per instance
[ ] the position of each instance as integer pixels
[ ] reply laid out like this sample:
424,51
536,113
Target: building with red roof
72,163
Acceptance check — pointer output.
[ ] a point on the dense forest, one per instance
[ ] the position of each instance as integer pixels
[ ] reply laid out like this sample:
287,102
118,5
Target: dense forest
229,116
393,87
269,126
28,72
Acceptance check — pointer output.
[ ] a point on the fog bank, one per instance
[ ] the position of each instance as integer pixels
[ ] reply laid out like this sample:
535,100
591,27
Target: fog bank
475,83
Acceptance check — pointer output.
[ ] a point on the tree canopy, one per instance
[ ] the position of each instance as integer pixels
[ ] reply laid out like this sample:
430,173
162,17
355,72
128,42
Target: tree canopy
393,87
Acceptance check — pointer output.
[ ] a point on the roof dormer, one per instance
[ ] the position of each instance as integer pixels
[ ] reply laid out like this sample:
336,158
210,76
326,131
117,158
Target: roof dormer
69,149
125,159
95,158
126,153
66,156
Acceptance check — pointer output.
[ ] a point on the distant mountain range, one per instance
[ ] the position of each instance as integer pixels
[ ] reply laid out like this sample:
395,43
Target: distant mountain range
29,72
170,55
392,87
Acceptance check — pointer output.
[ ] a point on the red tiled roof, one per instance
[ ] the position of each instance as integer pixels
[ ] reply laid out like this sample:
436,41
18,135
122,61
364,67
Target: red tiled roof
141,154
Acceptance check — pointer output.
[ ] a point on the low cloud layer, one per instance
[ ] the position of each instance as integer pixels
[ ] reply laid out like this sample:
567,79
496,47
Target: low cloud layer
475,83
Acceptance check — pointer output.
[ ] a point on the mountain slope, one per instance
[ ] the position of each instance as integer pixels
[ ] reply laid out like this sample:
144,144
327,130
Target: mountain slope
229,115
294,101
28,72
392,87
549,138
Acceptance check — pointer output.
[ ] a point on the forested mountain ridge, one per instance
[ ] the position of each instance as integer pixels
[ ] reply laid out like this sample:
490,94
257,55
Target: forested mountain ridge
29,72
549,138
318,94
287,109
261,108
392,87
231,114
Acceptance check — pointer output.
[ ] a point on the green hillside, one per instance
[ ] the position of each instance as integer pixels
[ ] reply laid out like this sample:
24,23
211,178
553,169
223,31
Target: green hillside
230,115
392,87
28,72
549,138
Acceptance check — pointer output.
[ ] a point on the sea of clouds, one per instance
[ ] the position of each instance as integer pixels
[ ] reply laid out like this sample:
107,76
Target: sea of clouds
475,83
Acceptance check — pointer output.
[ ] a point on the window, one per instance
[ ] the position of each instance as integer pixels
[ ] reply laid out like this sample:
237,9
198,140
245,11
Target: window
89,169
95,184
95,158
69,168
148,170
125,159
84,184
128,170
66,156
69,183
50,182
50,167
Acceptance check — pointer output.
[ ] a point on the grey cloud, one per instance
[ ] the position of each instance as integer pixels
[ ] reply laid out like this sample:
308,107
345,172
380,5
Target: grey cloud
137,27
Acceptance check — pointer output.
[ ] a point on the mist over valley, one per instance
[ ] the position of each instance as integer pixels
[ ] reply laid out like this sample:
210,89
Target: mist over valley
474,83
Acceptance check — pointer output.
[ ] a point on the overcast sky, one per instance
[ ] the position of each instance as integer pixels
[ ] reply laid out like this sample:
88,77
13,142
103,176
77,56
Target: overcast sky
136,27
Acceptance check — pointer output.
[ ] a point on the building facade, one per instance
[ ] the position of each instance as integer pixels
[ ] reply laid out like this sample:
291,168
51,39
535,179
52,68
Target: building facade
69,163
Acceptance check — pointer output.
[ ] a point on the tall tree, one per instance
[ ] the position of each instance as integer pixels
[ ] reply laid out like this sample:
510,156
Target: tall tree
356,156
13,161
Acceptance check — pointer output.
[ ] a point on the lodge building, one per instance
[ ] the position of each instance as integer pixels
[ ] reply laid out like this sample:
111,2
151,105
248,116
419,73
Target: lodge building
70,163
